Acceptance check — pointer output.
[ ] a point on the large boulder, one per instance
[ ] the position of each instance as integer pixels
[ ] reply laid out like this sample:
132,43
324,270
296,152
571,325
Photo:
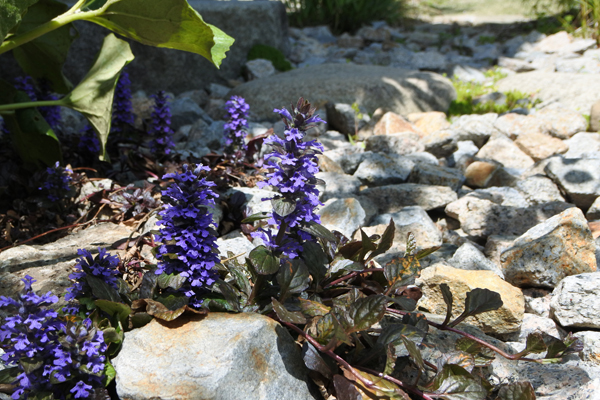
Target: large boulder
576,91
576,301
217,357
371,86
179,71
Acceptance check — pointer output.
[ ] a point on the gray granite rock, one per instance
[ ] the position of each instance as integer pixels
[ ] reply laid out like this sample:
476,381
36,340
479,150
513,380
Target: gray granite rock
558,247
338,185
583,145
564,121
237,243
381,169
343,215
578,178
217,356
254,198
593,213
591,346
476,128
186,111
428,174
506,152
539,189
441,143
537,301
344,119
259,68
465,151
396,89
398,143
392,198
469,257
576,301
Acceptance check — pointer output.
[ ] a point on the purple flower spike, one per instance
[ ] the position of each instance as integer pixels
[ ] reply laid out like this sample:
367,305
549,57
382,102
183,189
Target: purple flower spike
293,165
51,355
122,108
187,236
25,84
57,184
88,141
161,131
235,128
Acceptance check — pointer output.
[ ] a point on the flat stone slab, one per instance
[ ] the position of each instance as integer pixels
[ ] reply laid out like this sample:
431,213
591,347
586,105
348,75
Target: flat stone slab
371,86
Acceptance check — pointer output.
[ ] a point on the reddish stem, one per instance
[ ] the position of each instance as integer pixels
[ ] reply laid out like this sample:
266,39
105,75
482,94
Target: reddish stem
352,275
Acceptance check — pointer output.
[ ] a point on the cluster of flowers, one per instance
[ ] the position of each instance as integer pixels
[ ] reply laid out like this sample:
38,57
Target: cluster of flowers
187,236
57,182
122,108
293,165
42,92
88,141
65,359
160,130
103,266
235,128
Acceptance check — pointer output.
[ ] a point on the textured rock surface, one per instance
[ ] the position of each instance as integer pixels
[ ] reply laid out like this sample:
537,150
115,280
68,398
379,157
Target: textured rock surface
392,198
591,346
469,257
343,215
576,301
506,319
215,357
558,247
370,86
578,178
383,169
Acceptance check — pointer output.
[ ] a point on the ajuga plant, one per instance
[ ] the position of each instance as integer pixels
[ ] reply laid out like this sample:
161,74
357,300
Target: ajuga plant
50,113
56,185
292,167
133,201
122,116
47,357
88,142
235,129
90,272
187,236
160,128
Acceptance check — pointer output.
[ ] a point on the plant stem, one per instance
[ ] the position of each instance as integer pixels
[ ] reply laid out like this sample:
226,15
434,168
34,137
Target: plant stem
352,275
57,22
467,335
30,104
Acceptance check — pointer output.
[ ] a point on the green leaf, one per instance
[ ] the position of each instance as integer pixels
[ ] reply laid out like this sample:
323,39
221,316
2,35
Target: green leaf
365,312
516,391
30,364
319,231
448,299
34,140
314,361
8,375
399,271
256,217
102,290
425,252
351,250
367,246
479,301
148,289
140,319
44,57
293,277
482,356
329,329
316,260
109,372
282,206
453,382
386,241
405,303
229,293
390,360
460,358
414,352
313,308
263,260
393,333
11,13
238,274
120,310
173,281
112,336
292,317
93,97
382,388
159,310
535,343
172,24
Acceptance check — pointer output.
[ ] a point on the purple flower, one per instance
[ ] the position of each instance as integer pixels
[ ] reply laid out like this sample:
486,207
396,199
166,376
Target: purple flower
49,353
187,236
81,390
160,129
52,113
25,84
57,184
122,108
88,141
103,266
293,165
235,128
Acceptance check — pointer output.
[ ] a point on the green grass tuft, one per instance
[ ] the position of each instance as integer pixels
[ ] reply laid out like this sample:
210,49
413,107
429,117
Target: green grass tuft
272,54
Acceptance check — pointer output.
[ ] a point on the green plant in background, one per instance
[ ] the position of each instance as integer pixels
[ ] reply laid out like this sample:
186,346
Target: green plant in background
580,17
483,39
38,32
272,54
344,15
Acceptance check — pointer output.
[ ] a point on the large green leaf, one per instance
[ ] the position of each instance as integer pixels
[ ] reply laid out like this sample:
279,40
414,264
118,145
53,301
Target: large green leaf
263,260
43,58
365,312
120,310
453,382
293,317
173,24
293,277
34,140
93,97
11,13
